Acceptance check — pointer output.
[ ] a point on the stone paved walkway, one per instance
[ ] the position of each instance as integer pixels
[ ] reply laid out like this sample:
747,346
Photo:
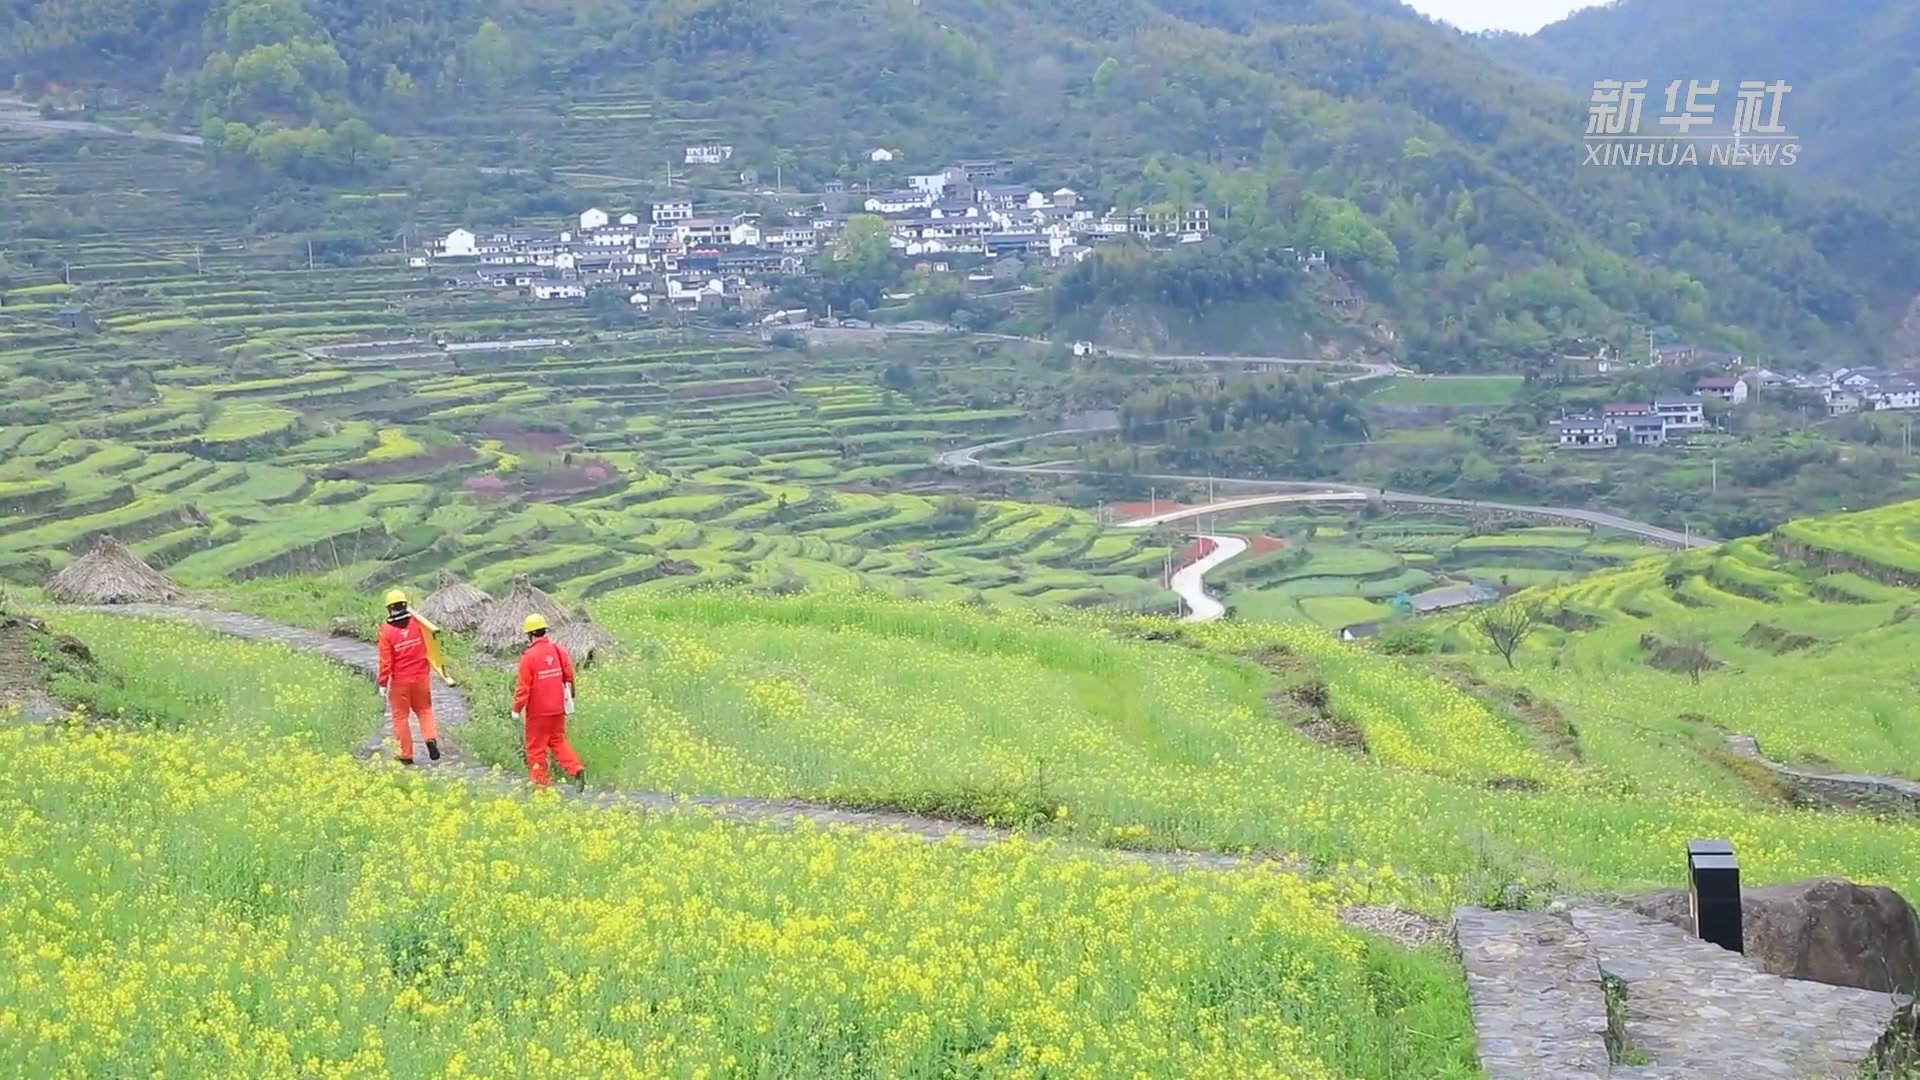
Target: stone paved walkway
1534,983
1693,1011
451,710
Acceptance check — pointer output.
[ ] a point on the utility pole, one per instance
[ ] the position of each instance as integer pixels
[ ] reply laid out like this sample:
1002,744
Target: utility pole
199,264
1650,352
309,256
1713,472
66,272
1152,500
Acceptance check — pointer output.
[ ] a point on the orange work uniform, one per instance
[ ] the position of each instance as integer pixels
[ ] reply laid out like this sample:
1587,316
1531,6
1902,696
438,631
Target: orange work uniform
540,696
406,674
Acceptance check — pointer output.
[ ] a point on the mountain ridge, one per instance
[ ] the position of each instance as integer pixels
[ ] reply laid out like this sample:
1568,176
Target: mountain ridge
1457,203
1855,97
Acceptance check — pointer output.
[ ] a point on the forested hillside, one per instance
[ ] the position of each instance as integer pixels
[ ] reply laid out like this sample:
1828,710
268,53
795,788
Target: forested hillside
1453,197
1855,100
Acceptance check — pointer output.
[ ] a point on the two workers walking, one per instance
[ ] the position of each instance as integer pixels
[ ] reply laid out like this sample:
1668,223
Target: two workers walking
542,692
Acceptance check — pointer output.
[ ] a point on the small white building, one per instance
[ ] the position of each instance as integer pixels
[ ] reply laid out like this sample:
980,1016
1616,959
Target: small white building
1685,414
1903,394
459,244
1586,433
593,218
629,218
880,154
558,290
934,184
1083,348
1724,387
897,202
672,210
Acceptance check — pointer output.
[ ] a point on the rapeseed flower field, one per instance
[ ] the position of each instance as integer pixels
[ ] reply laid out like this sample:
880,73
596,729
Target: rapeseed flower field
1168,744
175,904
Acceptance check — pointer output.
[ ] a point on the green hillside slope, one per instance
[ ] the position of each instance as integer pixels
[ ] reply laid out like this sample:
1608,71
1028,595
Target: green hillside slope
1455,202
1851,65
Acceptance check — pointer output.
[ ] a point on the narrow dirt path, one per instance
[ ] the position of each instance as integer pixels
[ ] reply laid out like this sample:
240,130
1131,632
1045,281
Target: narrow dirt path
451,710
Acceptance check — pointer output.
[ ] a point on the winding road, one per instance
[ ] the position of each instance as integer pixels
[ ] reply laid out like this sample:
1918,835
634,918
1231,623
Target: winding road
1306,491
1189,584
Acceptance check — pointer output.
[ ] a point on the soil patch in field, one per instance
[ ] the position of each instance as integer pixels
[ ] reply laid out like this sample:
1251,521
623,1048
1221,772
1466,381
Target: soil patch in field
1262,544
728,388
1129,511
1776,639
514,437
1547,726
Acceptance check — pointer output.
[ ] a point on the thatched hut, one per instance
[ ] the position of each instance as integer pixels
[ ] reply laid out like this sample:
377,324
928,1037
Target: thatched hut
110,574
455,606
500,631
583,638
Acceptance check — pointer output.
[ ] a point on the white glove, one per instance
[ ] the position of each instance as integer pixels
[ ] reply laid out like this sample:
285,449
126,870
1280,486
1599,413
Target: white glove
383,695
569,705
519,719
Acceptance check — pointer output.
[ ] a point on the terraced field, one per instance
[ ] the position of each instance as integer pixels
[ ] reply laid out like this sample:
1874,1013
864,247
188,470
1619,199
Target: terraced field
1338,569
613,464
1803,639
236,413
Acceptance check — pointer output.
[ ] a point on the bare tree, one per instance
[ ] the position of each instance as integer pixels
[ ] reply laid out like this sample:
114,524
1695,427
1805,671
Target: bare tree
1506,625
1692,656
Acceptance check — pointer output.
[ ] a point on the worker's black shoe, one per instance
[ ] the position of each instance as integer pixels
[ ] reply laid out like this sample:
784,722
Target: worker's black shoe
433,749
580,780
404,760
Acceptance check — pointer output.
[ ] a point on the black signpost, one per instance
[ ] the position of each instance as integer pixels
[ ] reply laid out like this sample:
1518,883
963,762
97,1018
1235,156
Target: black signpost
1714,889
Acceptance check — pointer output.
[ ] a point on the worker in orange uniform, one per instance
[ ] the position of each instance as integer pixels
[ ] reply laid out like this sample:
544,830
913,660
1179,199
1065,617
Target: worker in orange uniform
542,698
407,660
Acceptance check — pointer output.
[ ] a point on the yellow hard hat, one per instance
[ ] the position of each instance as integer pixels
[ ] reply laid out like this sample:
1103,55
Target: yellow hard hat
395,596
535,621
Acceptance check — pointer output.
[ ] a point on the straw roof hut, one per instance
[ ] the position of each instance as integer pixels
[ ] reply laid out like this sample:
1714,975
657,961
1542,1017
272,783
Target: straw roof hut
110,574
500,631
583,638
455,605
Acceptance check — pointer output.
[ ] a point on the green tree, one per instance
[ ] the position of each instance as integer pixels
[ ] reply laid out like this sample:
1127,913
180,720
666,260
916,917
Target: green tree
1104,75
861,260
355,142
487,59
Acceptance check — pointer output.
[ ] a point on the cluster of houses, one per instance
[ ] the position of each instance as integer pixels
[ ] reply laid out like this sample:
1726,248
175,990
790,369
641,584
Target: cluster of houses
1637,423
1656,423
1851,390
958,220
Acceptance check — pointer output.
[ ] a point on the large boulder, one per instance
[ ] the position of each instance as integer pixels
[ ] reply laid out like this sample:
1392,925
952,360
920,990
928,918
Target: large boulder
1826,930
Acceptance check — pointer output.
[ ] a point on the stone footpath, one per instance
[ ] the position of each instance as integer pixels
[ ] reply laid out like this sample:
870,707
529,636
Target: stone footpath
1535,987
1879,794
1693,1011
450,709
